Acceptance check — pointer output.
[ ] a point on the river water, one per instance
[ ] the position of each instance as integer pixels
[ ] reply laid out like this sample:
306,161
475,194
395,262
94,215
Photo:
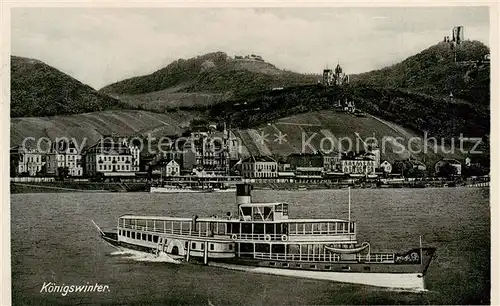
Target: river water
53,240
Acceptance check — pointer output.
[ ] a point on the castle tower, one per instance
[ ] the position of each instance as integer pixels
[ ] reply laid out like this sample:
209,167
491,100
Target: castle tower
340,77
327,77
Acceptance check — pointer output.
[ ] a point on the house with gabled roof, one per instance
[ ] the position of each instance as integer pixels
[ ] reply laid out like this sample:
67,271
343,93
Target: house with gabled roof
259,167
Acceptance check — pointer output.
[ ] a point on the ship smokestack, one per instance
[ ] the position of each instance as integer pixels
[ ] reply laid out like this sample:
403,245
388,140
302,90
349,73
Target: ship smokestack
243,194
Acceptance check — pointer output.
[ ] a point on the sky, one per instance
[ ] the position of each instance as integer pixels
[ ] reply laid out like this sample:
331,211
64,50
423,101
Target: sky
99,46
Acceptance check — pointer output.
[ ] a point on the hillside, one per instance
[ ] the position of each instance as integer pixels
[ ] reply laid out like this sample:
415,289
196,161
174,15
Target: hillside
435,72
166,100
418,112
38,89
315,125
211,77
92,126
404,100
320,128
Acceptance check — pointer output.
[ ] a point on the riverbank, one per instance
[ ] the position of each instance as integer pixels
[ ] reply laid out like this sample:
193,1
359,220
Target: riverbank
51,187
76,186
374,185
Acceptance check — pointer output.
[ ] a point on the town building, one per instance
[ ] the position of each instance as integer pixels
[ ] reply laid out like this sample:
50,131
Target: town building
136,157
331,161
285,173
386,166
64,157
259,167
357,165
327,161
51,164
109,157
169,167
309,174
416,164
305,160
209,150
373,153
26,161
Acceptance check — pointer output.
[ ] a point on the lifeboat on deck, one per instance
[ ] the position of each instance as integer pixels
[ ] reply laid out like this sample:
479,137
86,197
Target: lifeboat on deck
364,246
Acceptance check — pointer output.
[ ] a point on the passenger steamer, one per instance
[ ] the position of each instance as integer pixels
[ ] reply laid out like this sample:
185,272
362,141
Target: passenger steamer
264,239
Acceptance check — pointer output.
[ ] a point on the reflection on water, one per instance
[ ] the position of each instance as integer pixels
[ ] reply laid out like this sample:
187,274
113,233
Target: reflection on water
53,240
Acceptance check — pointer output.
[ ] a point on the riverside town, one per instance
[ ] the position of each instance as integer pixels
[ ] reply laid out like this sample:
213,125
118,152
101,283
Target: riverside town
208,155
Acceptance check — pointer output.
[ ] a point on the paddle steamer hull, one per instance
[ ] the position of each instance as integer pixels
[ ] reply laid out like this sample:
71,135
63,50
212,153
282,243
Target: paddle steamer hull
263,239
380,274
403,281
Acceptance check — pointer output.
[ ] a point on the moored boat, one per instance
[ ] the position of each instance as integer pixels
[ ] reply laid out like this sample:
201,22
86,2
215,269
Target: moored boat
263,239
177,189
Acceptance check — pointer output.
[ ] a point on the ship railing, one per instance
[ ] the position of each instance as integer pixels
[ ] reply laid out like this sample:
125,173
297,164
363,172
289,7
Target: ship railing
383,257
265,237
298,257
316,232
183,232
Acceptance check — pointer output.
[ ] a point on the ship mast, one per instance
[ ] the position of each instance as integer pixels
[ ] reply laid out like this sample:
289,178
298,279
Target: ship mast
349,188
421,259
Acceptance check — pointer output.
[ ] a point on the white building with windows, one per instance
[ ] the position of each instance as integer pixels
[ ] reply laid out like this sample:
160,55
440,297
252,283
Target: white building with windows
358,165
386,166
25,161
136,155
109,157
259,167
67,157
169,167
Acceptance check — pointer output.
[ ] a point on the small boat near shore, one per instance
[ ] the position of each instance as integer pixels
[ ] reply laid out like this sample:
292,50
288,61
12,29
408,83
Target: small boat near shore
177,189
264,239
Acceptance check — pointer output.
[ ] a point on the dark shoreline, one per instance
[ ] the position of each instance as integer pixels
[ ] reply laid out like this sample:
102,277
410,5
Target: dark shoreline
62,187
59,187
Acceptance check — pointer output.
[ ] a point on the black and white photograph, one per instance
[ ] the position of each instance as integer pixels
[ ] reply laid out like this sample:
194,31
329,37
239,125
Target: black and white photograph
251,154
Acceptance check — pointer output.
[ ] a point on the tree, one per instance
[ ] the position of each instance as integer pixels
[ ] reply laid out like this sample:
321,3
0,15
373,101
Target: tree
63,172
400,167
447,170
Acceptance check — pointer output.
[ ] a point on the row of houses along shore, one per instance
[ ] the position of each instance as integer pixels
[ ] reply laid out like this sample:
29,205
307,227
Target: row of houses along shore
208,152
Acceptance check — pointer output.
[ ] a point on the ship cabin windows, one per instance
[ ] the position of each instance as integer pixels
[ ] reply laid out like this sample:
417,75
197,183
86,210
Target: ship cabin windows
150,238
263,212
322,228
155,239
258,230
312,267
211,246
133,235
179,226
193,245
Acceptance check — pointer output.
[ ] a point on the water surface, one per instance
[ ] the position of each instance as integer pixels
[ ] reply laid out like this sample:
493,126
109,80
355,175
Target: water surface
53,240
